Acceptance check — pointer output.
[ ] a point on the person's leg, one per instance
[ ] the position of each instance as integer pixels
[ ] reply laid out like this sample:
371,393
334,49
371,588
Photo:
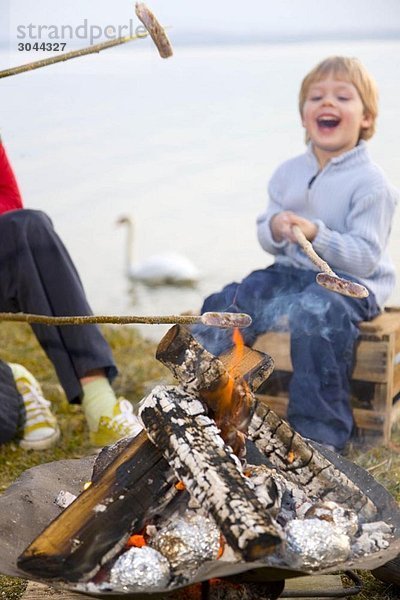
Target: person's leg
266,295
38,276
324,330
12,407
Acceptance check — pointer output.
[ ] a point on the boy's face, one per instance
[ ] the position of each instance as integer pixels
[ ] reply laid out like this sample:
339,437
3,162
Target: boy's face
333,115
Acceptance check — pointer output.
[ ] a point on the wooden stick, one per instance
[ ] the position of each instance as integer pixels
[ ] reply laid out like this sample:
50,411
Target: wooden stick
177,424
95,49
328,278
154,29
222,320
308,249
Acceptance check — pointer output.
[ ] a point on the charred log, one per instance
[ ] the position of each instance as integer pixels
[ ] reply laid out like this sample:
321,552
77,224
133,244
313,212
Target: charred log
219,383
96,525
190,441
84,536
302,464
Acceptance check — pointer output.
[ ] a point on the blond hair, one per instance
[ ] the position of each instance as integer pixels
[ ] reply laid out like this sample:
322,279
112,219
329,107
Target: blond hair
353,71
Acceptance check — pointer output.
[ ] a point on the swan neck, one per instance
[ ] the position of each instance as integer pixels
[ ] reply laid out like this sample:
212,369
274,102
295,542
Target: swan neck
129,246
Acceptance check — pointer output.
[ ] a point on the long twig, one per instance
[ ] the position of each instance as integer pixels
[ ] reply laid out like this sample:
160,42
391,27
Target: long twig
154,29
38,64
212,319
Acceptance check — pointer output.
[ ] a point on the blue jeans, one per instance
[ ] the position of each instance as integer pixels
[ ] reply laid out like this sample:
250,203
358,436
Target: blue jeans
324,330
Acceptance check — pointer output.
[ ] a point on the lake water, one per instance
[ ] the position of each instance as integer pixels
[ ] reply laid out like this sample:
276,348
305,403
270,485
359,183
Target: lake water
186,146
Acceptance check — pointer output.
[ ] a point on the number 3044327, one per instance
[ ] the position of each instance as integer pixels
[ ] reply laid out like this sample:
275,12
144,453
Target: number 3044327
42,47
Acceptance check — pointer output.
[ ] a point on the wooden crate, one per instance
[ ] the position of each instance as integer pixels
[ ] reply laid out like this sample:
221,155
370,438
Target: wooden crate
377,361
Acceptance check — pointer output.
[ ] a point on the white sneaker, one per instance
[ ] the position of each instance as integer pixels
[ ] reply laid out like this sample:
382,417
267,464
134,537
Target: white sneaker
41,430
123,423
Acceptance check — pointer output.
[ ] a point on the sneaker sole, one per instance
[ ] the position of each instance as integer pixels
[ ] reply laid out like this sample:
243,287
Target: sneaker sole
43,444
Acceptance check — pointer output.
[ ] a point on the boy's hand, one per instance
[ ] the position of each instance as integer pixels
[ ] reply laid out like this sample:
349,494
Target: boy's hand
281,226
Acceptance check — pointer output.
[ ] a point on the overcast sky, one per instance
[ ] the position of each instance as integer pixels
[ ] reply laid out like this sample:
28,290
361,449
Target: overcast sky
225,16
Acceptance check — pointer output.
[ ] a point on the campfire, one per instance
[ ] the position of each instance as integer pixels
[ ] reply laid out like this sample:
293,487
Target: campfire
215,484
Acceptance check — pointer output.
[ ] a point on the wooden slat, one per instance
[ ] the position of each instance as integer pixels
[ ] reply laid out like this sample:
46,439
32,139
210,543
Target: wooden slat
364,418
396,380
277,344
395,413
370,363
384,324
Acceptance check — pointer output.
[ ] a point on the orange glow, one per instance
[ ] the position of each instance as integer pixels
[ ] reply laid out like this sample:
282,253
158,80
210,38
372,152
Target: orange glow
291,457
230,401
238,352
226,399
221,546
180,486
136,541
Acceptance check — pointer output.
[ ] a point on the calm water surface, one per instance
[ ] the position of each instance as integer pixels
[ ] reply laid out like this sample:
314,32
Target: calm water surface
186,146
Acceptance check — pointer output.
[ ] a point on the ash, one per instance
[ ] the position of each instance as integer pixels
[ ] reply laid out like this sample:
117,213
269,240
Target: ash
317,534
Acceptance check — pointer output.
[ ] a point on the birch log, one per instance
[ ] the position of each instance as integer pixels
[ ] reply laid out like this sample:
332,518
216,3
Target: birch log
215,382
190,441
300,463
273,436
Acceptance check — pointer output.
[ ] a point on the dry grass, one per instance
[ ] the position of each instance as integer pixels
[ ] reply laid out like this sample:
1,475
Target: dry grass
139,371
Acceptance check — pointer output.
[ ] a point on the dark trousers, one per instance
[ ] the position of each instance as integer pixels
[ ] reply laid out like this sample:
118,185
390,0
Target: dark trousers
12,414
37,276
324,330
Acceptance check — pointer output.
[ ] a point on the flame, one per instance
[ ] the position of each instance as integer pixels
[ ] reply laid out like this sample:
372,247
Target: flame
239,347
230,400
226,393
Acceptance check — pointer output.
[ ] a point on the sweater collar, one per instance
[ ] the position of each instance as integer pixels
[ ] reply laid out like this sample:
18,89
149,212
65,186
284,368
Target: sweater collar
356,155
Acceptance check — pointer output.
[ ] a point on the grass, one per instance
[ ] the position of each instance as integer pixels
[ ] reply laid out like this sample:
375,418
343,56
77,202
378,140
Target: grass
139,372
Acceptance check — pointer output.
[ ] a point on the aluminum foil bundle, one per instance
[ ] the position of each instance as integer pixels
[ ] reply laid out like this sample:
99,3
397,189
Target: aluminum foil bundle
313,543
188,541
140,568
343,518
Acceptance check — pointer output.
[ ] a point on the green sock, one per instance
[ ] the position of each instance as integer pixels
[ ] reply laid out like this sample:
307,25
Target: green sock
98,401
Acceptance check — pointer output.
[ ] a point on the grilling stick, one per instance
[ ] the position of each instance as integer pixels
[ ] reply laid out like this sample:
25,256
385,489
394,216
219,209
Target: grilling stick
223,320
328,278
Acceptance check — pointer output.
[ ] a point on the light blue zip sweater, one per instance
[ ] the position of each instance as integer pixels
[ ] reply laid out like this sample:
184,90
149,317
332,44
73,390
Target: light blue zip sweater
352,204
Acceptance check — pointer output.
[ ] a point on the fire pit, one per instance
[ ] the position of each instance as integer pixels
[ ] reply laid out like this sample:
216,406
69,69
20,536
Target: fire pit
214,486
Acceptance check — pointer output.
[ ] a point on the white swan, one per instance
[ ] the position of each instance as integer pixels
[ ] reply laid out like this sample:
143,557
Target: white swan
163,269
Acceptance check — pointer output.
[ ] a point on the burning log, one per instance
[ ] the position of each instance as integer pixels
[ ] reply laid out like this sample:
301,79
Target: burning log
205,375
83,537
190,442
97,524
139,480
213,381
302,464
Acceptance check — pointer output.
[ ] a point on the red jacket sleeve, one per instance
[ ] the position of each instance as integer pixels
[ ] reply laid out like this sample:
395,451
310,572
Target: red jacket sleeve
10,197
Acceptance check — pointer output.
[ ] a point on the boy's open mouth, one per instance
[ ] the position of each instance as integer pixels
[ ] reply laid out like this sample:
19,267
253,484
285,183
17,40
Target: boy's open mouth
328,122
